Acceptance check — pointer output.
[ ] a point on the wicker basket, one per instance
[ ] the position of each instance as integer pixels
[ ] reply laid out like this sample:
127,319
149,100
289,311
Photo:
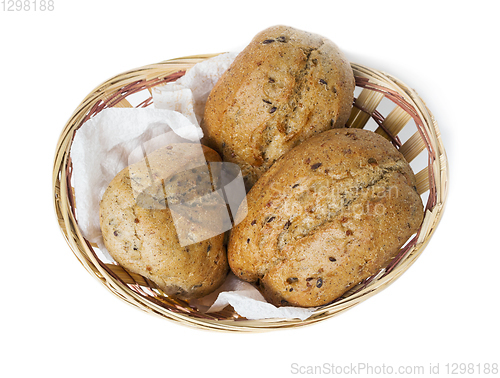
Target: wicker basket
371,110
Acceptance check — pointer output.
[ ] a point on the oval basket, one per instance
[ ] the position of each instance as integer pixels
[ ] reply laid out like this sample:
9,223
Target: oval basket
382,103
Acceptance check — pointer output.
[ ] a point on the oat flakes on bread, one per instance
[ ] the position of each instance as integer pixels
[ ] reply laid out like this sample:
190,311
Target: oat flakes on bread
327,215
138,225
284,87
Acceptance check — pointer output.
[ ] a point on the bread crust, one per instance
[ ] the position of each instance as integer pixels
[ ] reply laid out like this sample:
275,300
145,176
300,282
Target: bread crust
284,87
327,215
138,226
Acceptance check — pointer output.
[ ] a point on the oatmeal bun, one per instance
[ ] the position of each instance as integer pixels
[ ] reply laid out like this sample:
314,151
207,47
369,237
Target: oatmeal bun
286,86
330,213
153,205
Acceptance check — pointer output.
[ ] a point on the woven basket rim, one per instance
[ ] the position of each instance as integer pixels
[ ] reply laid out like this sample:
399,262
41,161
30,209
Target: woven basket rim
115,90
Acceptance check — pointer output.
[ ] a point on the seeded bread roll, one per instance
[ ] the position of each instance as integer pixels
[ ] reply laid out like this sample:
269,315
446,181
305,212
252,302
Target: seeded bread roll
138,224
330,213
284,87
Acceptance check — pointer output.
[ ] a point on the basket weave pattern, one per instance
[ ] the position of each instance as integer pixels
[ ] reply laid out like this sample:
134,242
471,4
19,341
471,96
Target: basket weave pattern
143,294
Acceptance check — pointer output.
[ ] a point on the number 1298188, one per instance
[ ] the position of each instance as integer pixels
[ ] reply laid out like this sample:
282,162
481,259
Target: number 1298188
27,5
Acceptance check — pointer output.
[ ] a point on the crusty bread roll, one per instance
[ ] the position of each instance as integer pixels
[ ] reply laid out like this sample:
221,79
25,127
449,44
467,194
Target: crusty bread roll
330,213
284,87
139,226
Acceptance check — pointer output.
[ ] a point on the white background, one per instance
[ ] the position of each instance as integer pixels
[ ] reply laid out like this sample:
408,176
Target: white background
58,321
